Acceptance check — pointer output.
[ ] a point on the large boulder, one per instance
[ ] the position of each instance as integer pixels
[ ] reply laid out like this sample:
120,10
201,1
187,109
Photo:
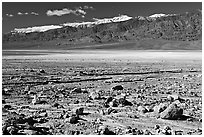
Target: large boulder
172,112
161,107
117,87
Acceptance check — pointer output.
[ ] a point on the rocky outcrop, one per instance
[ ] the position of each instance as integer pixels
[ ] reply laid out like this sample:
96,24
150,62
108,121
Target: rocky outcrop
172,112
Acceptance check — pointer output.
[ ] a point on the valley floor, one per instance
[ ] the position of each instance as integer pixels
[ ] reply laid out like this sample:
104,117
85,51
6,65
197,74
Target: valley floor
64,80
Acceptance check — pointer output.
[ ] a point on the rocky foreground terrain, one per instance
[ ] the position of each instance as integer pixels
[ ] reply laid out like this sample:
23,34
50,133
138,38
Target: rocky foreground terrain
106,97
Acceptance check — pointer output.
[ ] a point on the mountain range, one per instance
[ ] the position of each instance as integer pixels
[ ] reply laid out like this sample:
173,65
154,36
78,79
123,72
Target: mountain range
158,31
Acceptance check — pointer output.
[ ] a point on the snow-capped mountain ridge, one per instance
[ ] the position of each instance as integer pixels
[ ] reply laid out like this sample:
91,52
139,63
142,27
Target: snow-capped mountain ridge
75,24
185,26
86,24
99,21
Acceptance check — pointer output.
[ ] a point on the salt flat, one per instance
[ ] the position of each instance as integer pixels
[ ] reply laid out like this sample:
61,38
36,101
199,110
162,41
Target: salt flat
91,55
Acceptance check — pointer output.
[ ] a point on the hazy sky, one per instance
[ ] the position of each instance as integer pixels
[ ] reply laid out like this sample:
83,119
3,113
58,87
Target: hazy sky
25,14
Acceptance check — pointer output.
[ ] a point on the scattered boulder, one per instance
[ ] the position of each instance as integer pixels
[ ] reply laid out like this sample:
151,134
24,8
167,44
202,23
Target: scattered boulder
84,91
149,108
66,115
200,120
3,101
110,110
4,130
166,130
174,97
147,132
108,100
178,132
31,92
124,95
117,87
32,70
76,90
7,107
124,102
172,112
42,71
101,111
142,109
30,132
56,105
30,120
11,77
156,127
44,114
73,119
128,130
177,102
104,130
12,130
27,88
4,91
76,101
35,100
42,102
138,132
99,120
78,110
114,103
95,95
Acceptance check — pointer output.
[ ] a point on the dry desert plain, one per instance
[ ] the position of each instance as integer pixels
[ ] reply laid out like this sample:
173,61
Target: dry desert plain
101,92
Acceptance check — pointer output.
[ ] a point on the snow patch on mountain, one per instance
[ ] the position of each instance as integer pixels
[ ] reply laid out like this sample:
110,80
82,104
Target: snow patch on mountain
115,19
157,15
99,21
161,15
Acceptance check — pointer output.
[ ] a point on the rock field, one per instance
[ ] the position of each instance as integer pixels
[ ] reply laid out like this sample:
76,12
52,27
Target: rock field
101,98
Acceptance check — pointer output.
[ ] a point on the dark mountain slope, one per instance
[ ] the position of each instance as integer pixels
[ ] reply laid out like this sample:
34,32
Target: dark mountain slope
160,33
